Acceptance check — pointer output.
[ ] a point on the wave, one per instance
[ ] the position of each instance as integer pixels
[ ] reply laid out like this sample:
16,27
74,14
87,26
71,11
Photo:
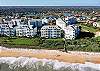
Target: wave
34,64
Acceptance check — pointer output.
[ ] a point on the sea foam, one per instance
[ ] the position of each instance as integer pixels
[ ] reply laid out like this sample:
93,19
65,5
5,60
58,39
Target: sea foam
33,63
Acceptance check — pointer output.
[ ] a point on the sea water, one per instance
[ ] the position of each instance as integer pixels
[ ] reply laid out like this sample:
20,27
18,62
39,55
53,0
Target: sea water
34,64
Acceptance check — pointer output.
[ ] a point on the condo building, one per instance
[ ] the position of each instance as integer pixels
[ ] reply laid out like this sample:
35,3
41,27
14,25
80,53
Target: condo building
6,30
71,32
35,23
49,20
50,31
60,23
25,31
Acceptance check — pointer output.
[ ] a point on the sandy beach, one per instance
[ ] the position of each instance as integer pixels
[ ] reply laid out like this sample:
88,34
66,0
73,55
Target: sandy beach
70,57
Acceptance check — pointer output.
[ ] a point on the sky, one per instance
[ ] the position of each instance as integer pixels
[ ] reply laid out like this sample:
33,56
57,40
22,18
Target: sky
49,2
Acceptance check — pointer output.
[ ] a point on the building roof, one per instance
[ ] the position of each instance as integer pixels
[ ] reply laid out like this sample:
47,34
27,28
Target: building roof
60,21
50,26
35,20
71,27
68,14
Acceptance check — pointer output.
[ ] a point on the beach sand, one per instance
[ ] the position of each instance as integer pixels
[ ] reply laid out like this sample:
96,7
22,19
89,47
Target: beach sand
70,57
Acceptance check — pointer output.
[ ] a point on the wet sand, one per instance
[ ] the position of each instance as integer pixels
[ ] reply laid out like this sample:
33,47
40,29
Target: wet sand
70,57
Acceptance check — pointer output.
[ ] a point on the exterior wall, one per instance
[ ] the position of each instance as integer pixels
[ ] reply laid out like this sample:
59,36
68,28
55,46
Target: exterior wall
71,20
60,23
50,32
45,21
6,30
20,29
24,30
71,32
48,20
16,21
35,23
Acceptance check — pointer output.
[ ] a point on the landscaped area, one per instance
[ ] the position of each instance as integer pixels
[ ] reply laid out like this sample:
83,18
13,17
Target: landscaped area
82,44
88,28
32,42
18,41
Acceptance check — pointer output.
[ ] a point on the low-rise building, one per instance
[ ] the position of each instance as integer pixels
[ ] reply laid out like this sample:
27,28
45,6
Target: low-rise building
70,20
61,23
50,31
71,32
16,21
6,30
49,20
35,23
25,31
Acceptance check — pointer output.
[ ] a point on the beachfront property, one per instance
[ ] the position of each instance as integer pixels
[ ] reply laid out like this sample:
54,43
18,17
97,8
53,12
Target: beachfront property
32,27
16,21
35,23
48,31
24,30
16,27
6,30
49,20
44,21
61,23
7,26
70,20
71,32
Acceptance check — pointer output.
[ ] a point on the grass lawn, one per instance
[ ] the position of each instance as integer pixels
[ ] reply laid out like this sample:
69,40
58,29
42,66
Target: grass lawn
22,41
19,41
87,28
58,39
32,42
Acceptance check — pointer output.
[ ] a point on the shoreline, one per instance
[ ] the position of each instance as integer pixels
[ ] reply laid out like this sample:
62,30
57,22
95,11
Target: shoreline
70,57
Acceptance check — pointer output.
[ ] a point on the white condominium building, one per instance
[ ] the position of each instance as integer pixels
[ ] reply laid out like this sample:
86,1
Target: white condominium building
60,23
50,31
35,23
25,31
6,30
71,32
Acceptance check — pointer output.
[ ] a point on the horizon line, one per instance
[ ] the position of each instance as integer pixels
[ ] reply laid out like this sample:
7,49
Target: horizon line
49,5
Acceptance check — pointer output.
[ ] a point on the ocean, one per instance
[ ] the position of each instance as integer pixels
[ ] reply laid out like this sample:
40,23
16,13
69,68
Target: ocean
75,7
34,64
